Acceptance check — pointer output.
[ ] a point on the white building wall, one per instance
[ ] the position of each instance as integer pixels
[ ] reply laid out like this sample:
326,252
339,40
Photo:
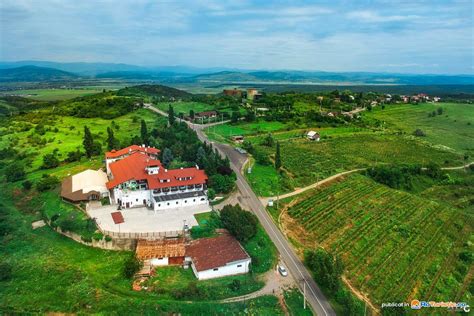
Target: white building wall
198,200
133,197
159,261
233,268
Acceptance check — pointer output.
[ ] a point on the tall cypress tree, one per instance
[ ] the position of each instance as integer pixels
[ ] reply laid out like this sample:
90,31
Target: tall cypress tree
277,157
111,140
144,132
88,142
171,118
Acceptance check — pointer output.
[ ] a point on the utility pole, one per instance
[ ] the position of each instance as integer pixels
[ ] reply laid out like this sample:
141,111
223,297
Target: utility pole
304,294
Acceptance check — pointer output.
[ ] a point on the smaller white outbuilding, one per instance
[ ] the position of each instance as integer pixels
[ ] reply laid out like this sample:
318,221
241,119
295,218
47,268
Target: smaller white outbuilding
85,186
217,257
312,135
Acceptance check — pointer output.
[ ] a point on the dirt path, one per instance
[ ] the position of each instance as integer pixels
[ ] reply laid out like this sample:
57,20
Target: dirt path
311,186
361,296
275,284
336,176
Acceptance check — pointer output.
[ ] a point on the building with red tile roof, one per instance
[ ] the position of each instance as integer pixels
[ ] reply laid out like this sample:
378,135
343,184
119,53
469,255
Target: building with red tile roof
139,179
217,257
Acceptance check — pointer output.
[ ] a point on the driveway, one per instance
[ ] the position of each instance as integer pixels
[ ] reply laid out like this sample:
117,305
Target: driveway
143,220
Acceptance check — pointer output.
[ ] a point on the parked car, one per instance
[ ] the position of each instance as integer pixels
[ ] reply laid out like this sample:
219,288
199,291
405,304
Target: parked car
282,270
241,150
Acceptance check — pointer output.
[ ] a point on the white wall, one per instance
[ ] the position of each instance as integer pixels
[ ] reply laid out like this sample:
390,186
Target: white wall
233,268
180,203
132,196
159,261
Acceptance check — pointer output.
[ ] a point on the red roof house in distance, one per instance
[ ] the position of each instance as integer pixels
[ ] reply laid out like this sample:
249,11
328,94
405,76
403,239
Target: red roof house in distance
138,178
217,257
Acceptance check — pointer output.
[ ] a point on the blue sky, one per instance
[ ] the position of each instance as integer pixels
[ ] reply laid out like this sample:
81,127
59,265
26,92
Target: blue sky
389,36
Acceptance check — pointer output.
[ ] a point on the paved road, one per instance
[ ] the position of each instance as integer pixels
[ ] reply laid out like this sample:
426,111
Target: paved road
314,295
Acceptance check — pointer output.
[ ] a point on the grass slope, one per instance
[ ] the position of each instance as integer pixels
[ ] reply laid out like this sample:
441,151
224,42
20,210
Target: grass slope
53,94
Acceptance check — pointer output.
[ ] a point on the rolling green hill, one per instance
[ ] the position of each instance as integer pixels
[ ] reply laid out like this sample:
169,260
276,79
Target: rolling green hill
159,91
33,73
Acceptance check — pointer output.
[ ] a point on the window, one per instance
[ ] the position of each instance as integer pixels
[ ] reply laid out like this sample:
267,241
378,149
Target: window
159,205
185,201
176,202
168,203
194,200
136,200
239,266
202,199
215,269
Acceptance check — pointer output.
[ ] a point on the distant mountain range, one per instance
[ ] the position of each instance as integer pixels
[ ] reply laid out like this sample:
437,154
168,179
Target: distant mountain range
47,71
34,73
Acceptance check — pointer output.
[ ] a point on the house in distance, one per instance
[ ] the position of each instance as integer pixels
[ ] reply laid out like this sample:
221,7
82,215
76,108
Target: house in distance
312,135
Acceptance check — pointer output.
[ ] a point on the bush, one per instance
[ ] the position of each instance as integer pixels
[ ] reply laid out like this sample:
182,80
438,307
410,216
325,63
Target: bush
418,132
240,223
105,201
27,185
211,194
47,182
98,236
5,271
67,224
327,269
74,156
86,238
15,172
235,285
132,265
50,161
108,238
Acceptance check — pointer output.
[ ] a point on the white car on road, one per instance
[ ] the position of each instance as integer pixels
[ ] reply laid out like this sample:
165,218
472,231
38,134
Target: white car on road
282,270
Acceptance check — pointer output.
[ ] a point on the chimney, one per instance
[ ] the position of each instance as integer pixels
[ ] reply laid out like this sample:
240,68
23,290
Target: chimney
197,167
166,170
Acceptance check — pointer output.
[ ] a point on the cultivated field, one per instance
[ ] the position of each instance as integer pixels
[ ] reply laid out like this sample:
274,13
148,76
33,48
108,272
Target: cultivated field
454,128
396,246
306,162
54,94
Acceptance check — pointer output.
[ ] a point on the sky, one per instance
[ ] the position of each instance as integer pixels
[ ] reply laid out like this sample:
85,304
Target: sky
340,35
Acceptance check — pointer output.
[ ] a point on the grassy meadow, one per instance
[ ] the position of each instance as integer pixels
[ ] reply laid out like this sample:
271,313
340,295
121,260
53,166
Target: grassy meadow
66,133
454,128
396,245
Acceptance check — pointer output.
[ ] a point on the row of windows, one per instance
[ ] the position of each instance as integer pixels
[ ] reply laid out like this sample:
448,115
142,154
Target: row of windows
185,201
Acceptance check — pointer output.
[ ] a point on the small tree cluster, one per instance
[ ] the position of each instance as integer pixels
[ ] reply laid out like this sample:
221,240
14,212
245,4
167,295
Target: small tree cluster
240,223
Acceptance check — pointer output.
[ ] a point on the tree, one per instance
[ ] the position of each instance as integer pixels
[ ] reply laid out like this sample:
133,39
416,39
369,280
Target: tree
418,132
112,142
88,142
201,158
440,111
241,224
250,116
144,132
268,140
15,171
171,118
27,184
326,268
132,265
277,157
191,114
47,182
50,161
167,157
235,117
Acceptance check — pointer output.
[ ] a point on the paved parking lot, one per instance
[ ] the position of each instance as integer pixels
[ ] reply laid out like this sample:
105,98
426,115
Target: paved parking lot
143,220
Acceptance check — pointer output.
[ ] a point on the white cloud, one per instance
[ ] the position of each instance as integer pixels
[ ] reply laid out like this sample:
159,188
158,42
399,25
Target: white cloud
374,17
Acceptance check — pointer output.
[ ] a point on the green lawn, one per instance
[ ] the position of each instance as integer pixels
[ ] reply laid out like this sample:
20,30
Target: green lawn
226,131
69,134
454,128
54,94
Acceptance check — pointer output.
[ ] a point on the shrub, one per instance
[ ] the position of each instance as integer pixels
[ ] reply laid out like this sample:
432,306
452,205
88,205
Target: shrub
27,184
50,161
67,224
5,271
105,201
240,223
108,238
15,172
86,238
132,265
235,285
211,194
74,156
47,182
418,132
97,236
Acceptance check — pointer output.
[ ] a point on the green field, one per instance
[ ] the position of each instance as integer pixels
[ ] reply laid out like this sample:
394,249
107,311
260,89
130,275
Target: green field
306,162
454,128
396,246
184,107
69,134
54,94
223,133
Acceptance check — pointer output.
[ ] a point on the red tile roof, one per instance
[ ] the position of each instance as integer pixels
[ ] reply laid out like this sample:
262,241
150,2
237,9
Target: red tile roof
210,253
117,217
149,249
133,168
130,150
